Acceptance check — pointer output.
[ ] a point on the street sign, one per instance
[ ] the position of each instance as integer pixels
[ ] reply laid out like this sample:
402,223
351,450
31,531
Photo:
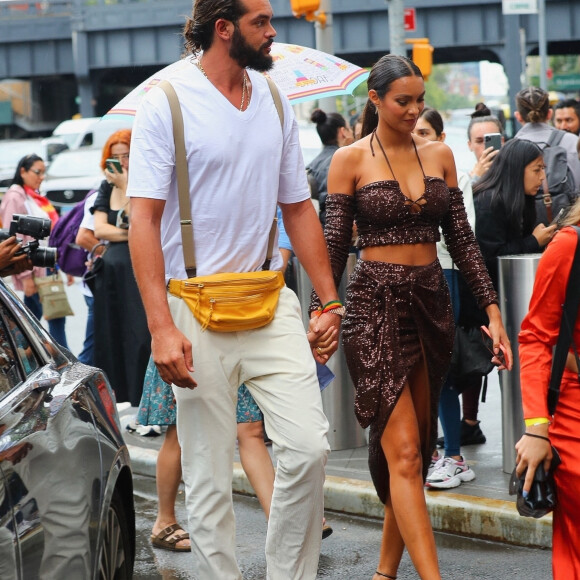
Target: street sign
410,15
520,6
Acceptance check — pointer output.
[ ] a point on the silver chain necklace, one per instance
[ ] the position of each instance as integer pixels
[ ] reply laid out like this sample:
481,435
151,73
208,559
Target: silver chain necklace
244,83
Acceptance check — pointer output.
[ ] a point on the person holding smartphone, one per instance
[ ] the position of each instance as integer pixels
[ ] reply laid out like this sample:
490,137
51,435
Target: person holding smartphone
122,340
504,205
483,123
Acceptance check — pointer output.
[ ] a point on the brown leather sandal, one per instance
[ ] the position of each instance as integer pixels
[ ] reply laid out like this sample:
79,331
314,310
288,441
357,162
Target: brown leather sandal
167,539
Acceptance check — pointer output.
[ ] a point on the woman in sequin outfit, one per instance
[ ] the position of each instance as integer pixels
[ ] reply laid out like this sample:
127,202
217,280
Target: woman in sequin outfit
398,328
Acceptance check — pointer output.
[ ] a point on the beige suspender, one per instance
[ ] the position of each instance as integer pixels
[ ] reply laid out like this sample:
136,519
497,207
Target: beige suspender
183,177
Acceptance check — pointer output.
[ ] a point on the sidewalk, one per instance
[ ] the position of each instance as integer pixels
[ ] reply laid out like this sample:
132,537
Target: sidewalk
481,508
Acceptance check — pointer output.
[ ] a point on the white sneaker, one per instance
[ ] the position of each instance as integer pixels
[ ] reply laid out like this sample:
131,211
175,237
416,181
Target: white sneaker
449,473
436,461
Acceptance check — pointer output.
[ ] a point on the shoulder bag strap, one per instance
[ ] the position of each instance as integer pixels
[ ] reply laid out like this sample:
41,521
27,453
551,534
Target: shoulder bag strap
280,110
569,316
182,179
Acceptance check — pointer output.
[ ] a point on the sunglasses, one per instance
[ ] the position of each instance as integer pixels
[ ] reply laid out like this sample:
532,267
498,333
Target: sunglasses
488,342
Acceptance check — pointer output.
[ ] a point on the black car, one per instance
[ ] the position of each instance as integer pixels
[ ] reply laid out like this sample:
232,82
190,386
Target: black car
66,489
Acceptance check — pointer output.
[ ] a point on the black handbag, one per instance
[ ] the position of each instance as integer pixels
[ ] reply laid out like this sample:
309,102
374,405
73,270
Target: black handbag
470,356
541,498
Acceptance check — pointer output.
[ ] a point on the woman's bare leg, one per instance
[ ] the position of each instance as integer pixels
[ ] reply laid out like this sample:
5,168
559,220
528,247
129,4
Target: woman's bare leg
256,462
406,518
168,476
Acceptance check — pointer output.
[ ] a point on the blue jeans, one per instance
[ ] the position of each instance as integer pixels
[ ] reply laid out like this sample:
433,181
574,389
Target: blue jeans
449,408
86,355
55,326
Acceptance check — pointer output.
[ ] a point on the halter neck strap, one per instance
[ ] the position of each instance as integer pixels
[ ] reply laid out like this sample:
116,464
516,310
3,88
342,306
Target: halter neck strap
375,136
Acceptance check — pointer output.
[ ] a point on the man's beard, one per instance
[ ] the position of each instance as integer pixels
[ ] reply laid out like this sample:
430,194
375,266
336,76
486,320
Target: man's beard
246,56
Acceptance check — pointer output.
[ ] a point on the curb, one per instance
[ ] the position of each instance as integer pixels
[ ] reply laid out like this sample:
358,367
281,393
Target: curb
486,519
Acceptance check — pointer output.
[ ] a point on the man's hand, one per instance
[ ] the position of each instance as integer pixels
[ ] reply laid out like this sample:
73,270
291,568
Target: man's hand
173,355
323,335
10,263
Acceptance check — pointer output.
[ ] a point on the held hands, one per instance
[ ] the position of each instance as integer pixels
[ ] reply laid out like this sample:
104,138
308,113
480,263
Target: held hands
173,355
544,233
323,335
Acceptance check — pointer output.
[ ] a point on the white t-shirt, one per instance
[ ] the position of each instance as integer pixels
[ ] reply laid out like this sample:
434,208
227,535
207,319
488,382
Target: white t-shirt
240,165
88,222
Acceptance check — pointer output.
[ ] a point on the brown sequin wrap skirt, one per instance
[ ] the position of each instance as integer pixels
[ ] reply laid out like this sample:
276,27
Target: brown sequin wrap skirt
395,313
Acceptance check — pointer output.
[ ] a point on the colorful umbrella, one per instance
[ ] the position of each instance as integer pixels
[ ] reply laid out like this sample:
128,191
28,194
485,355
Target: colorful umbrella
301,73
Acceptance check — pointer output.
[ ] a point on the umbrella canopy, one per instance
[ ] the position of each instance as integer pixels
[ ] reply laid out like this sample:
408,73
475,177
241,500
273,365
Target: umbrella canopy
301,73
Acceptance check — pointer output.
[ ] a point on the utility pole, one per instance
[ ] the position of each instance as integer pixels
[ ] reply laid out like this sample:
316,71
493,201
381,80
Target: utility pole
397,27
542,49
325,43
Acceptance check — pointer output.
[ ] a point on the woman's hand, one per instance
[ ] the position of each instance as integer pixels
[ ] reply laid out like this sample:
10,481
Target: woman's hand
484,162
501,342
544,233
117,179
531,451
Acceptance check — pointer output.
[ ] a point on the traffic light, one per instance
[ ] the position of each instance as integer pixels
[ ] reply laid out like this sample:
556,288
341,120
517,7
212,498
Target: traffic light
305,8
423,56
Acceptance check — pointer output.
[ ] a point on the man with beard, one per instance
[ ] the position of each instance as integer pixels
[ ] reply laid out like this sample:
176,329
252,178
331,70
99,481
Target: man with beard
241,163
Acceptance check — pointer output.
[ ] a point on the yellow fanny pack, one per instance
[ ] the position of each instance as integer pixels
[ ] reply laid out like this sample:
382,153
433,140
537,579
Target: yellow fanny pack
231,302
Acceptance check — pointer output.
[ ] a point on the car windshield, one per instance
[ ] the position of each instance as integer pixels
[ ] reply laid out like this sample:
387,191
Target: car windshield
75,163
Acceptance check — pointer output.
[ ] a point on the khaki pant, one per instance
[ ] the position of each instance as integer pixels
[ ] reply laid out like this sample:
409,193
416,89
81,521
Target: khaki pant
276,364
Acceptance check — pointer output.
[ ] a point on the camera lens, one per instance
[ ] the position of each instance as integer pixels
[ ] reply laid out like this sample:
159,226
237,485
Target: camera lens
43,257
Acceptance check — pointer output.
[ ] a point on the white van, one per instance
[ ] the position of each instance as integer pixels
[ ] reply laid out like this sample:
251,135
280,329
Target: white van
90,131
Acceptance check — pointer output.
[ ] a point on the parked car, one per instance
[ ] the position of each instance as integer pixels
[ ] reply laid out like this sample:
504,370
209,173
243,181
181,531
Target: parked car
71,176
13,150
89,131
66,491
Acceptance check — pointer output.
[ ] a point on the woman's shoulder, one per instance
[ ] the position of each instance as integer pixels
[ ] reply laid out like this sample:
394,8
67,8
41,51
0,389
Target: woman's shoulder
564,241
350,154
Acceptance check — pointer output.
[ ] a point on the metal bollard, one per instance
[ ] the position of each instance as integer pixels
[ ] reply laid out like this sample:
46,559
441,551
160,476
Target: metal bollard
516,281
338,397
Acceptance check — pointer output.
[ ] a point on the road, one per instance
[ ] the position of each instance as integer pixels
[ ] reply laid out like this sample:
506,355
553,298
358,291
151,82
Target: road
350,553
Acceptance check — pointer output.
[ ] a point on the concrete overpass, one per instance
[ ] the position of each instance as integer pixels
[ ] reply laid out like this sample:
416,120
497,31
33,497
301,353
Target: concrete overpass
84,55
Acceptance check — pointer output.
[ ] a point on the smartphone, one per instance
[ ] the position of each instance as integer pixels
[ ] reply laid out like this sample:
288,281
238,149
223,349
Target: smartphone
114,166
488,341
492,140
558,219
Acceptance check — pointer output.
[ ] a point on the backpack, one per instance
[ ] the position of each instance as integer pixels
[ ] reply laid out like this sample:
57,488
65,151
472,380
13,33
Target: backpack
70,258
562,189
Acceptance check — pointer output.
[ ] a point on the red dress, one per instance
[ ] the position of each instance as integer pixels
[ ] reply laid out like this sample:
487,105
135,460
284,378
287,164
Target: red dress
537,338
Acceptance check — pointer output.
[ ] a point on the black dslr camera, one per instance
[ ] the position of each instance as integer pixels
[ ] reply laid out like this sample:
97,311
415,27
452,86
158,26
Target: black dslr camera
34,227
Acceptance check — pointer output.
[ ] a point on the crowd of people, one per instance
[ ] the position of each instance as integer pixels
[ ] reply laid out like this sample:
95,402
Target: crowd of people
427,236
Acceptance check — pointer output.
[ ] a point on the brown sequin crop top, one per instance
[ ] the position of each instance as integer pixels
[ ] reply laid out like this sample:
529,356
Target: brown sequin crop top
384,215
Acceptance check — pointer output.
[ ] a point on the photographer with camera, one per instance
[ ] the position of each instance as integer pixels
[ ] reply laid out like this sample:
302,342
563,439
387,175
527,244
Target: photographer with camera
24,211
12,259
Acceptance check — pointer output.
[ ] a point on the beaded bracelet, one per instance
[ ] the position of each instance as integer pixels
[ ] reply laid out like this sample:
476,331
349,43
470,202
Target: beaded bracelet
537,436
